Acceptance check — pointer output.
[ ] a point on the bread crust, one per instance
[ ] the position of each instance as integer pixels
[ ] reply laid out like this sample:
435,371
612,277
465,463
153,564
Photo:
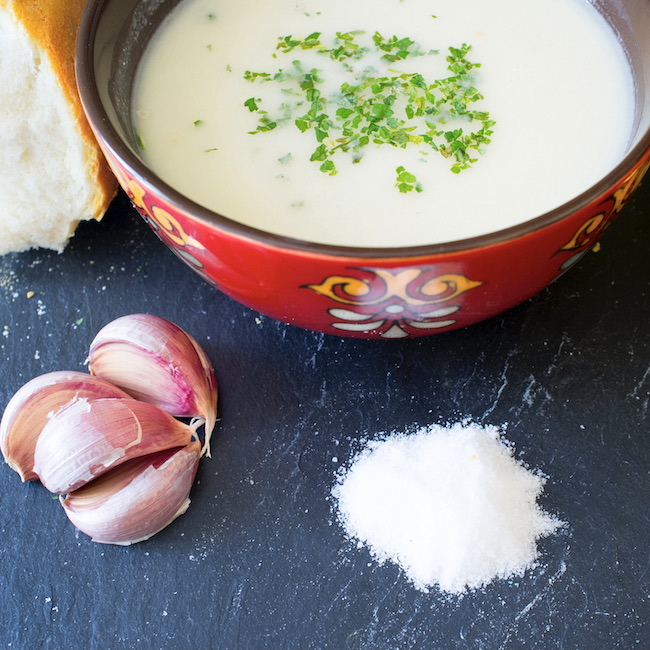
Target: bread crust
53,25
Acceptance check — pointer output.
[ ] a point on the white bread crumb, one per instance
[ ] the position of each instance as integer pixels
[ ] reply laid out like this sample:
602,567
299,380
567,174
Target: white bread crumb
52,173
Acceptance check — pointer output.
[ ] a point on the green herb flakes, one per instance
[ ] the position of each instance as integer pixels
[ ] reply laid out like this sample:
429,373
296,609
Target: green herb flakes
406,182
372,108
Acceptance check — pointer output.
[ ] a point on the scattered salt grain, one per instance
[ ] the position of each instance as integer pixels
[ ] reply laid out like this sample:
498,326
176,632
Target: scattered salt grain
450,505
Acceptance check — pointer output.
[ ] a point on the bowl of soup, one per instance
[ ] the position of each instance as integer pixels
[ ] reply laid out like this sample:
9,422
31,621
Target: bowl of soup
373,168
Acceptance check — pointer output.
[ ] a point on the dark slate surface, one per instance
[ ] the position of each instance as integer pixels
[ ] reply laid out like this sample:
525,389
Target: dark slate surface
259,560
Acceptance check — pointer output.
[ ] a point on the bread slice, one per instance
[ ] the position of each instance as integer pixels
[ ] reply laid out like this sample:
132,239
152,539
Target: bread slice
52,172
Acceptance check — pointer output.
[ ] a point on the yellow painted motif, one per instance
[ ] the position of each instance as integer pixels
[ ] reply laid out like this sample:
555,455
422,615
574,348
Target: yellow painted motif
353,287
173,228
448,287
356,291
591,227
136,193
596,225
401,301
624,193
161,218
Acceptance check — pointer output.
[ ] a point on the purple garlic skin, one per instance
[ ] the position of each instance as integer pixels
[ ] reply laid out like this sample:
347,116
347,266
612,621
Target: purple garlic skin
156,361
109,443
137,499
89,437
32,405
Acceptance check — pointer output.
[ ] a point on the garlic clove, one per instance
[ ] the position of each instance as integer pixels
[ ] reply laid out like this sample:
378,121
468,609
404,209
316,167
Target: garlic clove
29,409
86,438
137,499
156,361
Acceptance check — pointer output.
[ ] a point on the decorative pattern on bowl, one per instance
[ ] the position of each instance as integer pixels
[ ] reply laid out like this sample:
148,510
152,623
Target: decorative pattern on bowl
386,298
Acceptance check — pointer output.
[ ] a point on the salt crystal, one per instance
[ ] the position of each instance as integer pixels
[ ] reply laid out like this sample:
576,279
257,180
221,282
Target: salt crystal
450,505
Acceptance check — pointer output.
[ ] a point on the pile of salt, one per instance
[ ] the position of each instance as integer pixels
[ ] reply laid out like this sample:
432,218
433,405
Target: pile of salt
450,505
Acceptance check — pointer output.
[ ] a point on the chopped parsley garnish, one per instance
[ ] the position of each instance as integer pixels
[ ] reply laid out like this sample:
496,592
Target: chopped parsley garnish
396,108
406,181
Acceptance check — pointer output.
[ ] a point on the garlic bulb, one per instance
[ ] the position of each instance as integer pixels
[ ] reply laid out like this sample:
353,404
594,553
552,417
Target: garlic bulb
29,409
86,438
156,361
137,499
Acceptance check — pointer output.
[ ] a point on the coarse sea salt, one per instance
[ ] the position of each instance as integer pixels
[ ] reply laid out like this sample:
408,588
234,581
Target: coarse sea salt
450,505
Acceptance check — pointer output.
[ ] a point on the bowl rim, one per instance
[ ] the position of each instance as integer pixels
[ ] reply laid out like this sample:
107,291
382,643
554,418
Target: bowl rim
109,137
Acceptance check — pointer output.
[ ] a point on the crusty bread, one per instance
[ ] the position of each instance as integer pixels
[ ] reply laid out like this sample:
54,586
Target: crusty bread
52,173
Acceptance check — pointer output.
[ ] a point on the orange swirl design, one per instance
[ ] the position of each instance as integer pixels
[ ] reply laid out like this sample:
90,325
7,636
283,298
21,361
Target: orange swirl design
410,286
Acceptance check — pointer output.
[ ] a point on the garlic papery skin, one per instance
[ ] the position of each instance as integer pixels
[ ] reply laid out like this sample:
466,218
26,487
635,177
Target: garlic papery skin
156,361
30,407
86,438
137,499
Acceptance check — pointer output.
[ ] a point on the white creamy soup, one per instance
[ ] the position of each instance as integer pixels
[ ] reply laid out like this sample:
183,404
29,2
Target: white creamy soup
383,122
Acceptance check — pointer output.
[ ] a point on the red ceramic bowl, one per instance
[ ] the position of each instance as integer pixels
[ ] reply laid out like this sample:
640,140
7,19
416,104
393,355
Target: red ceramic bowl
359,292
